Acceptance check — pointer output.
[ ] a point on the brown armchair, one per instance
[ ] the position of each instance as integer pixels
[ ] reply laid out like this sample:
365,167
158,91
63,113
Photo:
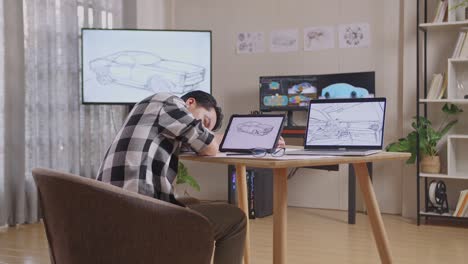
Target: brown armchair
87,221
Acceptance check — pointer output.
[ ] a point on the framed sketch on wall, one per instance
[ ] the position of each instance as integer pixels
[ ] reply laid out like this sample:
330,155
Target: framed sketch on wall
354,35
319,38
284,40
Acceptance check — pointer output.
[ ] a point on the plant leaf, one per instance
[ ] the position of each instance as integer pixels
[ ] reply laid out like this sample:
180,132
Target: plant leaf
184,177
407,144
192,182
460,4
447,128
451,109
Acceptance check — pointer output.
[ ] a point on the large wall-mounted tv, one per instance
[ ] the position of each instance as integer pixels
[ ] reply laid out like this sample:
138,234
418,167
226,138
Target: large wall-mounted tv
284,93
121,66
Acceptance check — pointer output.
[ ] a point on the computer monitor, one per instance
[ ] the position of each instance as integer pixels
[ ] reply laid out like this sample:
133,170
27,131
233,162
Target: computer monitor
121,66
285,93
349,123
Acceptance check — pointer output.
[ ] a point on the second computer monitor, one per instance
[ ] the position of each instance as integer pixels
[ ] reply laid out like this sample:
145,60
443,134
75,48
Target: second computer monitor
283,93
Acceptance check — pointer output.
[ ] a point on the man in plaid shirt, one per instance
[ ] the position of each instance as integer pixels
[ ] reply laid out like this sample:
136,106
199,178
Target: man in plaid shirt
143,158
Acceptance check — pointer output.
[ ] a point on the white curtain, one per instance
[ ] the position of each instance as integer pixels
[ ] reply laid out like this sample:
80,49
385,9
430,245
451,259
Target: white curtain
98,124
60,133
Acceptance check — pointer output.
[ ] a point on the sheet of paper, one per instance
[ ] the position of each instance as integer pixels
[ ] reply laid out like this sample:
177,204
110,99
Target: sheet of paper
354,35
319,38
250,42
284,40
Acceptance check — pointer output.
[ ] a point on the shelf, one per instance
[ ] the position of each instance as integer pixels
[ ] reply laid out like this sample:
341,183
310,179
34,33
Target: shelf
445,215
442,176
458,136
453,101
445,26
458,60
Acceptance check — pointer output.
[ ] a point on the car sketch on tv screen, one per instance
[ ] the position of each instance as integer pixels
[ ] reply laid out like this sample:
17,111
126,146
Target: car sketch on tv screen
126,66
147,71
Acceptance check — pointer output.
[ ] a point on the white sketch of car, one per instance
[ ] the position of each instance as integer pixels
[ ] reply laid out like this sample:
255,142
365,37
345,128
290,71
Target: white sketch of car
322,127
147,71
254,128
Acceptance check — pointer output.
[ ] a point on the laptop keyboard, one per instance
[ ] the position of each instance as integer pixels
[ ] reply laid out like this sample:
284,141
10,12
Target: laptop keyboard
328,152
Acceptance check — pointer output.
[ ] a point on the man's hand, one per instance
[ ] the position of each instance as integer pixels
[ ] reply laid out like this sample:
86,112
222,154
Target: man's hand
219,137
281,142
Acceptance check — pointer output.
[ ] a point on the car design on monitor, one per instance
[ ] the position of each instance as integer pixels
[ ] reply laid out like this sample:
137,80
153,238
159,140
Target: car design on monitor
304,88
275,100
254,128
344,90
300,100
147,71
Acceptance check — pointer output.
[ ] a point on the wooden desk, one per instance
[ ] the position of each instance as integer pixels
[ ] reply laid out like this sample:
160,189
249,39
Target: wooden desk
280,194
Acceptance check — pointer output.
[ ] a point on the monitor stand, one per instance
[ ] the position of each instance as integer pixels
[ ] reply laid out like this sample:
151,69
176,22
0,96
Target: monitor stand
290,118
290,129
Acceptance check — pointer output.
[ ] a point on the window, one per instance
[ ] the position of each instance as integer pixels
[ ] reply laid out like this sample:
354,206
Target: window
110,20
103,19
81,16
90,17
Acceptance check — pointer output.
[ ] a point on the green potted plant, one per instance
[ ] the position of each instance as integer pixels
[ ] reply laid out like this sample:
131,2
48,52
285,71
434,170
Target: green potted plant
461,4
184,177
429,137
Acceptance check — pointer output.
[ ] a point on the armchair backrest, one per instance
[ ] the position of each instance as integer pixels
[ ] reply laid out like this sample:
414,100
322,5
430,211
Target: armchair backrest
88,221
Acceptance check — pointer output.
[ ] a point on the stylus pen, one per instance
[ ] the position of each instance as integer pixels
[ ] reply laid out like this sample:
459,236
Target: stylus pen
238,154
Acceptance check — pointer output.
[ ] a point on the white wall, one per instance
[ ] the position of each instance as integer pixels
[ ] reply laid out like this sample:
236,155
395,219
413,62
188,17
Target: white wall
235,78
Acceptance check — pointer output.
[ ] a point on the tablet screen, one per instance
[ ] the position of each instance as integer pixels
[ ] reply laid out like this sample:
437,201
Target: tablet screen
246,132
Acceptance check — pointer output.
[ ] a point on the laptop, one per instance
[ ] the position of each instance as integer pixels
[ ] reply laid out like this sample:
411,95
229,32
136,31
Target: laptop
344,127
247,132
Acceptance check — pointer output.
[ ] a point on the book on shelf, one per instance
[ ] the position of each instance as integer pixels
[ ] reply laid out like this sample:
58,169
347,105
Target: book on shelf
459,45
462,205
441,12
443,89
438,86
464,49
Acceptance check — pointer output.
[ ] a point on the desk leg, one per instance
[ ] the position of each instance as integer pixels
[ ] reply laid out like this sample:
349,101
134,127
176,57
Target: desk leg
241,182
373,212
280,206
351,197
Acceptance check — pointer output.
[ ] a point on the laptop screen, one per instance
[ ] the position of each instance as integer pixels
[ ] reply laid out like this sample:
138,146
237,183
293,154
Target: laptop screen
346,123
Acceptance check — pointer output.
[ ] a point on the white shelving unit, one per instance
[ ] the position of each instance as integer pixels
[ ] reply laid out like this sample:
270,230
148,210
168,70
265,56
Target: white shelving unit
444,215
442,176
453,101
457,165
444,26
457,153
457,89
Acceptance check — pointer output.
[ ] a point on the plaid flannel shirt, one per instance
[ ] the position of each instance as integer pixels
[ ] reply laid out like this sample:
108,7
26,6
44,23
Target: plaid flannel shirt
143,157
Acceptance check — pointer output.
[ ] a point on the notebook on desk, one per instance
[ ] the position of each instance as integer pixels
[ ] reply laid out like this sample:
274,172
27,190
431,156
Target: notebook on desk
344,127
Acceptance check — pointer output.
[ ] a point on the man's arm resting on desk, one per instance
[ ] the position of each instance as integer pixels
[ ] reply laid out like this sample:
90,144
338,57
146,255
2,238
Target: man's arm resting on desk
213,148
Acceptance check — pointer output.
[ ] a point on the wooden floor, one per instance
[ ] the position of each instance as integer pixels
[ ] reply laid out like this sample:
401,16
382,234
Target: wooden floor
314,236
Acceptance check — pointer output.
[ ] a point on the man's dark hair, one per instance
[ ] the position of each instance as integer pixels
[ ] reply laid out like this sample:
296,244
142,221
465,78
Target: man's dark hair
206,101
